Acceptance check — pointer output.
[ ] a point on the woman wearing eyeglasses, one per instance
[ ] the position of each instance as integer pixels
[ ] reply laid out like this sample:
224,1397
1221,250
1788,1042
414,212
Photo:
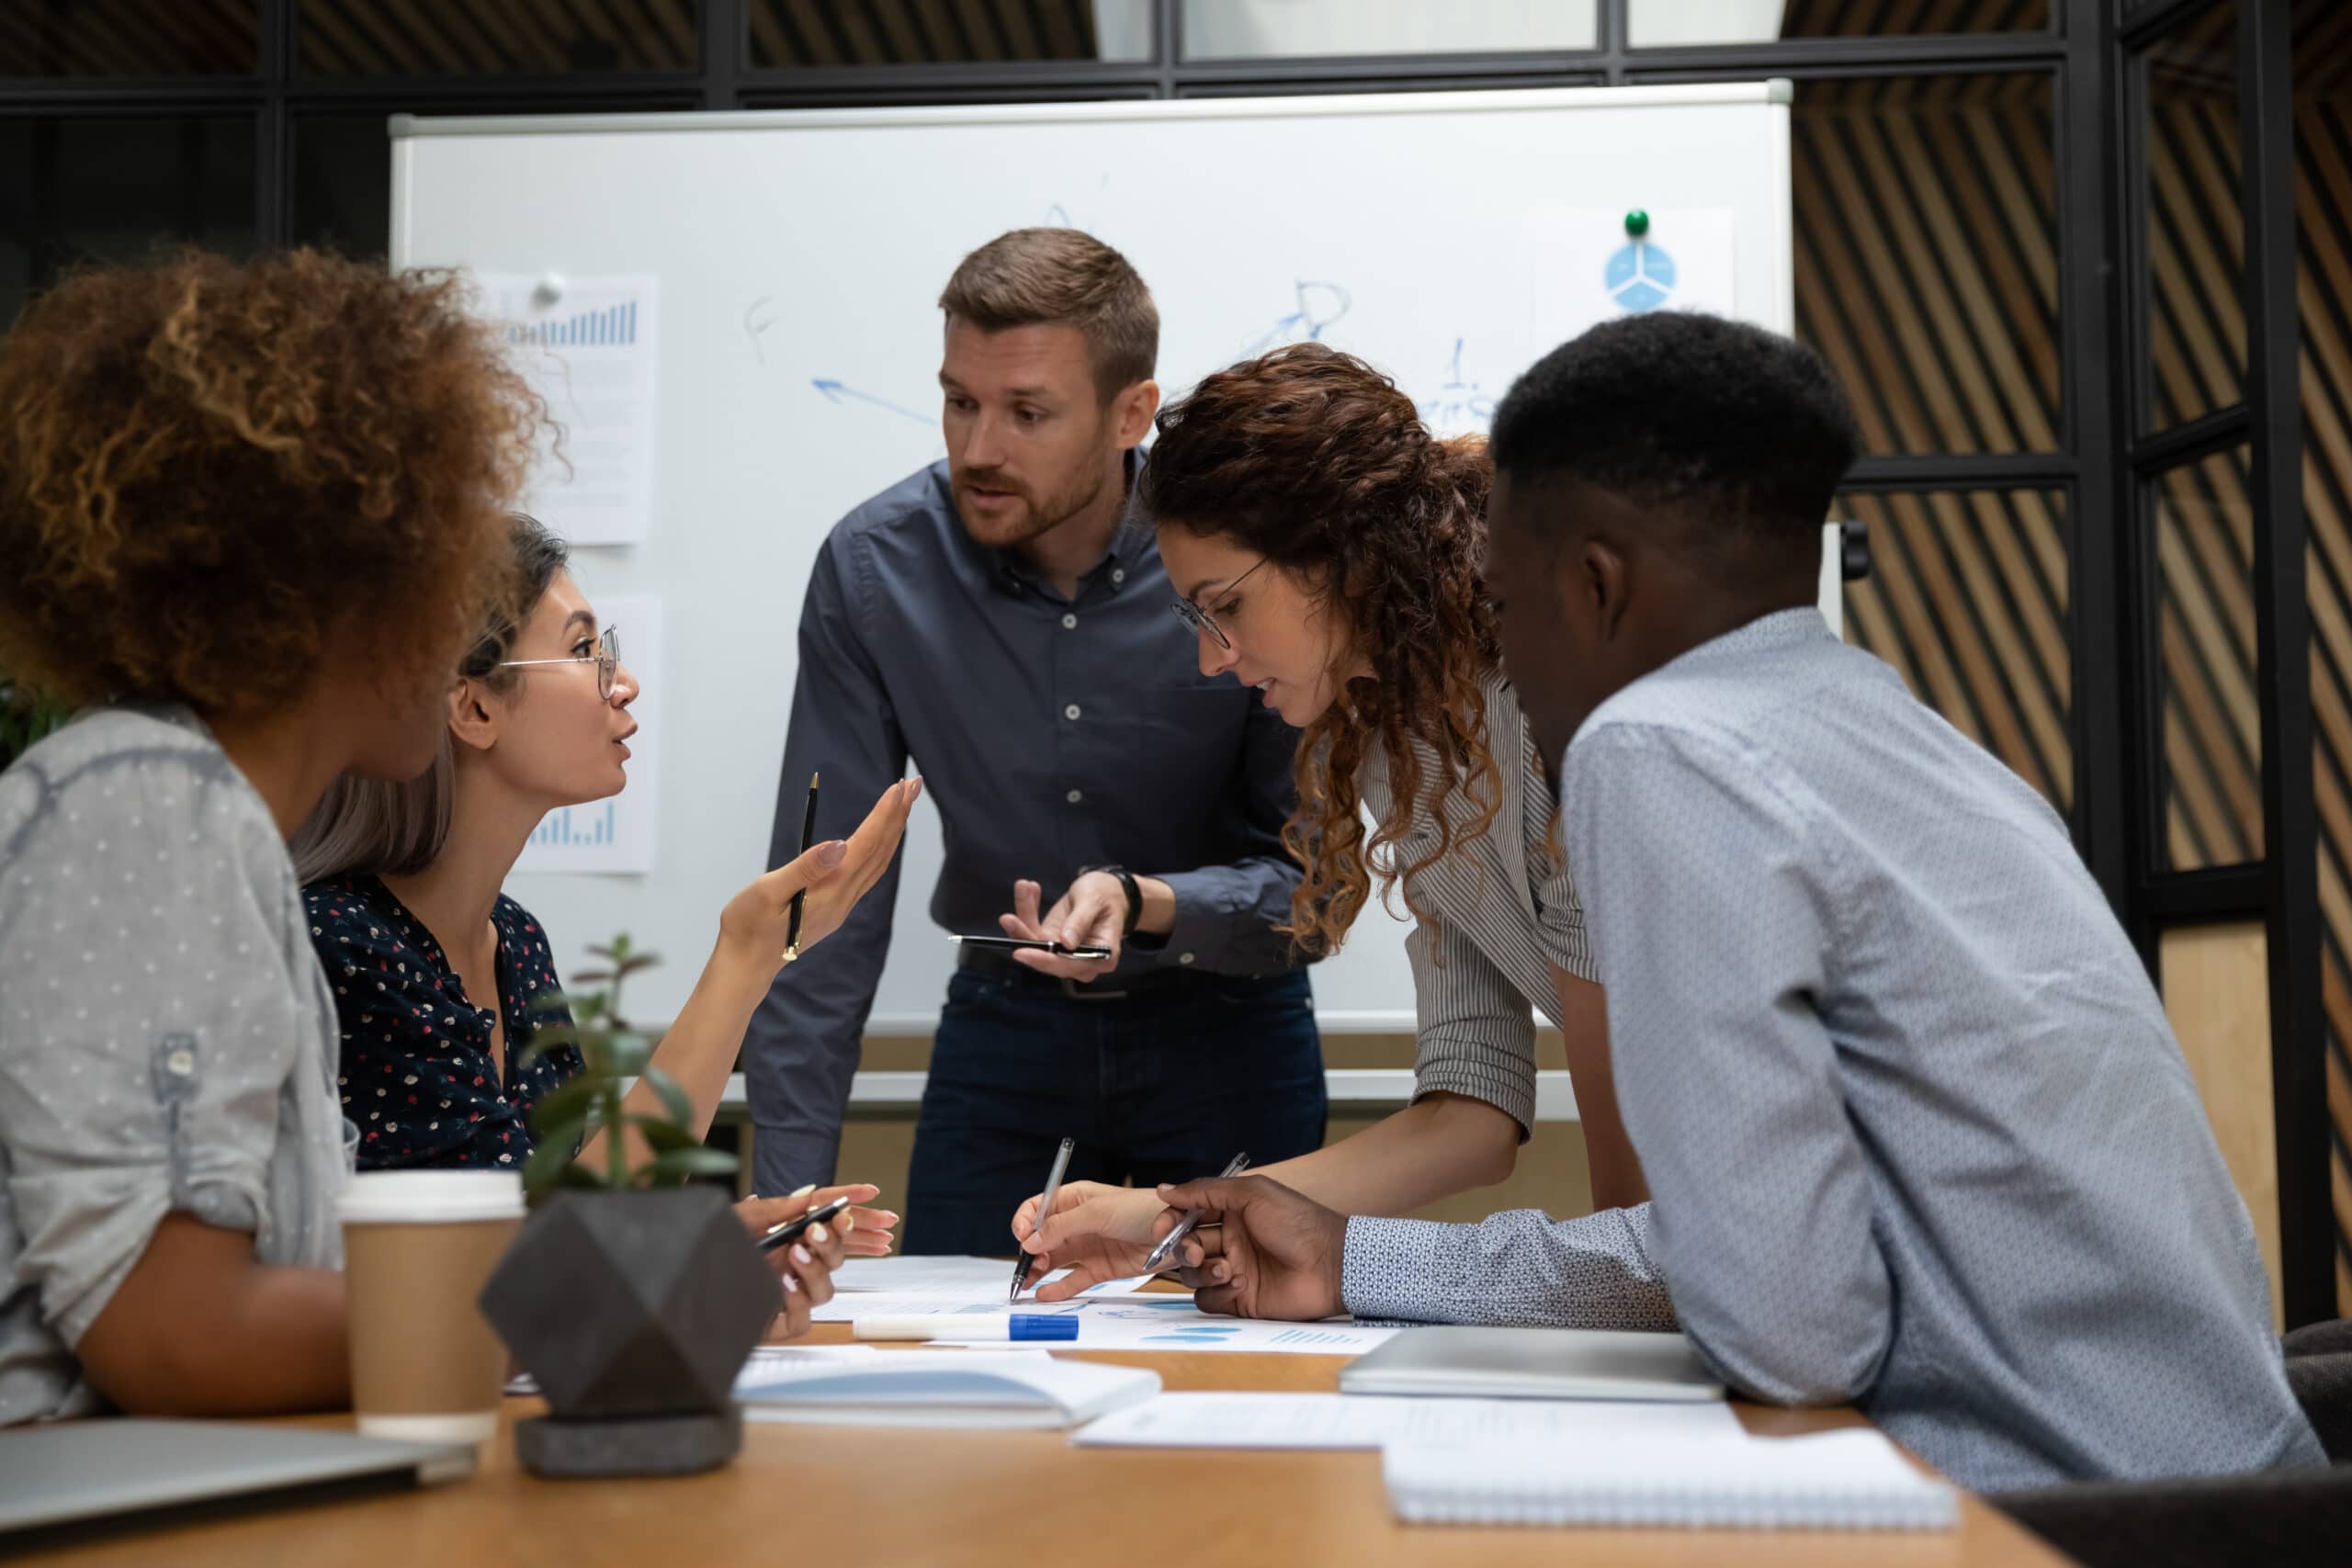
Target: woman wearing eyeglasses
1327,548
441,980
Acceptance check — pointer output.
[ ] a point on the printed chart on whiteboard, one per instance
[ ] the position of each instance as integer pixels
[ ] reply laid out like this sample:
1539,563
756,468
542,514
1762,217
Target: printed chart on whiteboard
1681,259
614,833
587,345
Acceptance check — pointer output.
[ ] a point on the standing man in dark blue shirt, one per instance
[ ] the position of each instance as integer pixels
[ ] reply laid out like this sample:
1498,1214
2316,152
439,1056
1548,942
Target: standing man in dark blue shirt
990,617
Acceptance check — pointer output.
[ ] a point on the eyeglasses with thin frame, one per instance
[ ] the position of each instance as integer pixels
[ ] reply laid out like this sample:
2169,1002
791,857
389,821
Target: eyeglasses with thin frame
606,659
1193,616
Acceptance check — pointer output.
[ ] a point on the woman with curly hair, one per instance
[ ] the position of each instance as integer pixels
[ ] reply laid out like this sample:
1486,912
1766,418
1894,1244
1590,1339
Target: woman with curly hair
1327,548
251,514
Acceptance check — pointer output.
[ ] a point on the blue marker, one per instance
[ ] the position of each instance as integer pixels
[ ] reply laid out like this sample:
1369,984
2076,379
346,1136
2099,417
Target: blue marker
1034,1326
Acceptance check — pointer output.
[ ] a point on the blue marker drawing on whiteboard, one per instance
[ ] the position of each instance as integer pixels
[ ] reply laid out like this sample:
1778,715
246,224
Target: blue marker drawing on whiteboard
1058,216
1640,277
1318,305
1461,405
754,324
837,393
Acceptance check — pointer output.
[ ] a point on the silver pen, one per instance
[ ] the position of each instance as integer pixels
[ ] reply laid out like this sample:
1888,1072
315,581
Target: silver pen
1160,1255
1044,1208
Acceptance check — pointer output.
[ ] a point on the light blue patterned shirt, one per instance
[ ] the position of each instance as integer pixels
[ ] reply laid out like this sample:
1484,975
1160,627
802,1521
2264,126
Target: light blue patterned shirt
1916,1133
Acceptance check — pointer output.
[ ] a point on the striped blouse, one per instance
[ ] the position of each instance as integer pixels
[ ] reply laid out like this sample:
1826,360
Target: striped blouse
1506,912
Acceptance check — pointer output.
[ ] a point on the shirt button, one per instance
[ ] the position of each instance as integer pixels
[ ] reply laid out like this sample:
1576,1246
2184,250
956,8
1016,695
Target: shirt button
1118,574
1069,623
1075,795
1183,958
1070,712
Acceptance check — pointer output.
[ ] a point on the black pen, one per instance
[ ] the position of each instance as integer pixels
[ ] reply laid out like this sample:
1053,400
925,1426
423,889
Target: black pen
1045,1207
807,830
791,1231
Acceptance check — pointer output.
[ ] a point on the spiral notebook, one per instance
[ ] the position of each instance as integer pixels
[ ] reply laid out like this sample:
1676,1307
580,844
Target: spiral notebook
1851,1480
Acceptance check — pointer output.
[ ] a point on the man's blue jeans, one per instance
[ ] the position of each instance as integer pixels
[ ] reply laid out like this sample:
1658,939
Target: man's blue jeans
1163,1085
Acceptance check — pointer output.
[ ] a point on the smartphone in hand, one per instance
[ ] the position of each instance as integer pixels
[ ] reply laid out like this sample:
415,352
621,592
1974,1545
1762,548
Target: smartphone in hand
1056,949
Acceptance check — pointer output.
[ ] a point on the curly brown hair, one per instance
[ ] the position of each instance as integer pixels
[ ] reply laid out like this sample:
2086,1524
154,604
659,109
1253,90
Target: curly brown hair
1313,459
211,470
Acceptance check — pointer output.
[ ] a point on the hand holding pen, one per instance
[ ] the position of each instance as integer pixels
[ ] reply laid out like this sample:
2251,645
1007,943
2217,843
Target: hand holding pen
1158,1258
823,885
1045,1207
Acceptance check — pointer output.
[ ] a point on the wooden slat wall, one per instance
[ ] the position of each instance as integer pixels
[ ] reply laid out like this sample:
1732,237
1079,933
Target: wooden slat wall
2204,525
2324,296
128,38
430,38
919,32
132,38
1926,276
1967,598
1877,18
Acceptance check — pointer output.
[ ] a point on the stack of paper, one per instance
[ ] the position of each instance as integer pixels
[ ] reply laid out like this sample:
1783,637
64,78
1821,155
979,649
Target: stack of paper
1844,1480
1009,1388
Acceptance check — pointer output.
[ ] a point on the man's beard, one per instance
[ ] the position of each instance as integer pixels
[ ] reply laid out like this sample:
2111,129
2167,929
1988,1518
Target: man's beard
1033,517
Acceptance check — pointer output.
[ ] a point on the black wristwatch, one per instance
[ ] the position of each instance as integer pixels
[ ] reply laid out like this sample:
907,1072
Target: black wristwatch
1128,886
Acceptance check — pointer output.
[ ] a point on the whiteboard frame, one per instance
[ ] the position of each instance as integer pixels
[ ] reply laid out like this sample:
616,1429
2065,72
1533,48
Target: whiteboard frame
404,130
1774,90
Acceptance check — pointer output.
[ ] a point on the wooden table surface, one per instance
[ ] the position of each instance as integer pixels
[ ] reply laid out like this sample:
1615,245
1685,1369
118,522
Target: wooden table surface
837,1496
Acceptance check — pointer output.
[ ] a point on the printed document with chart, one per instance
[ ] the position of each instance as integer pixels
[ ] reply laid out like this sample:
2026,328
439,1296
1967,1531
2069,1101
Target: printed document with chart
1133,1321
588,346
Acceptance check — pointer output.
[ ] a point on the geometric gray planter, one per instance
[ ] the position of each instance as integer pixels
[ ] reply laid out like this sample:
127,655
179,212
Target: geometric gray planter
634,1311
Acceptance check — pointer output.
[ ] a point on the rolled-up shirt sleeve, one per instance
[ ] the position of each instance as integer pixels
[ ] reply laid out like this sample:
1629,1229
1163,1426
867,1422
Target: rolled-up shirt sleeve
1474,1032
1227,915
1520,1268
122,1100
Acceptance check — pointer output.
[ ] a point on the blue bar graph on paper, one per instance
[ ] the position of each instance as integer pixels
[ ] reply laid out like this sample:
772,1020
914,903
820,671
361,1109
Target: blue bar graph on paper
575,827
615,326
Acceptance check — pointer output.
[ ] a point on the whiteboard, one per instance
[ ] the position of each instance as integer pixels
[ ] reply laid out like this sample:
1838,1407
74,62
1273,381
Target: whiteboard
1450,238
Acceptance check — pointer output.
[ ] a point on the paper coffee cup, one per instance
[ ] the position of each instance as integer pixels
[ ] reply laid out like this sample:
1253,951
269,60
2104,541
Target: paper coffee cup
418,1246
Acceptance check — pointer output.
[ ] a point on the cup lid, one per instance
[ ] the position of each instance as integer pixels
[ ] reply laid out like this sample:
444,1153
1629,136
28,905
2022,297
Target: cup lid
430,1197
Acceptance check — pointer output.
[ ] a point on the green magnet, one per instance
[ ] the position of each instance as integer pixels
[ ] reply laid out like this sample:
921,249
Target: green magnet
1637,223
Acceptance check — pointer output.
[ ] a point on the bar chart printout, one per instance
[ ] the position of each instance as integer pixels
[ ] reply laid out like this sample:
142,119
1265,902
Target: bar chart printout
615,326
588,346
588,826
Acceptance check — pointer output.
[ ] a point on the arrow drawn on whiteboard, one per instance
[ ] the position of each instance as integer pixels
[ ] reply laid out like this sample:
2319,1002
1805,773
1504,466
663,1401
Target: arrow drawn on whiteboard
841,394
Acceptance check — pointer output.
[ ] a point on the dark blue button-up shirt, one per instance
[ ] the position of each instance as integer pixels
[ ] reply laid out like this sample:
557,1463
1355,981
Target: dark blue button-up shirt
1052,733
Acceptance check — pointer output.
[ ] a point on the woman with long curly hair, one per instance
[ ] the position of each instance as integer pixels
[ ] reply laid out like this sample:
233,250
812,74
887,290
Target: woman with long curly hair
251,517
1329,548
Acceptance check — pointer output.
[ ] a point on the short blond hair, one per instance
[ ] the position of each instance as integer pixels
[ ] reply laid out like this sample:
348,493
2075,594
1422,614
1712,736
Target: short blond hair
1062,278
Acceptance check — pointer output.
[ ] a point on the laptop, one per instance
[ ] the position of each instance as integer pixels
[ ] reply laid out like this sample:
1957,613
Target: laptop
78,1471
1533,1363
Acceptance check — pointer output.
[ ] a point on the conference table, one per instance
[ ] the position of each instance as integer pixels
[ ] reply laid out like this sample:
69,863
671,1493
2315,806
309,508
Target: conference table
845,1497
